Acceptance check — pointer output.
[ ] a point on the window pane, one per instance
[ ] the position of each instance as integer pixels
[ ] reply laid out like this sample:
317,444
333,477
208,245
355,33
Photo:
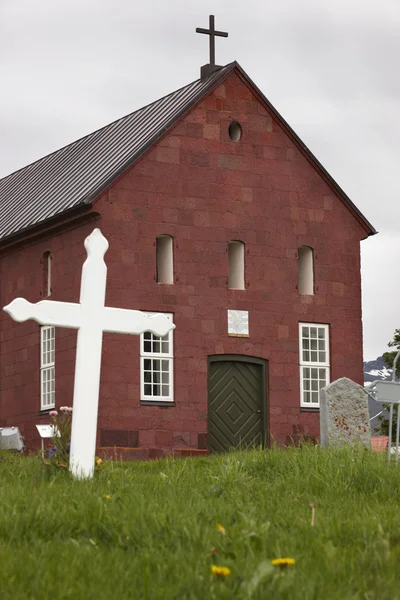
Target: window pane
314,344
306,396
314,373
313,332
322,373
321,344
306,344
306,356
306,332
306,372
321,332
314,356
314,397
306,384
314,385
322,356
322,383
156,374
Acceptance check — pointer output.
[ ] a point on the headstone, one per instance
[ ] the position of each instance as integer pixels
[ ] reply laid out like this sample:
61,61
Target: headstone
11,439
91,318
344,415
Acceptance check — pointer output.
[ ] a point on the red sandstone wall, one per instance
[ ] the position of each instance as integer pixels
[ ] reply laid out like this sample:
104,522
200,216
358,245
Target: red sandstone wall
21,274
203,189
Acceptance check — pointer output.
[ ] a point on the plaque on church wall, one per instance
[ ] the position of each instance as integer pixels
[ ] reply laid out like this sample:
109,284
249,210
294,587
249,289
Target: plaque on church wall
238,323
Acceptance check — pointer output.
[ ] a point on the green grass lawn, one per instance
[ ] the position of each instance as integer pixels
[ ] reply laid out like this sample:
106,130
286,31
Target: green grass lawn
149,530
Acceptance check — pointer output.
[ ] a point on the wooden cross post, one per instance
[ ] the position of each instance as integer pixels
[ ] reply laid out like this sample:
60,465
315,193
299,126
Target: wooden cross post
91,318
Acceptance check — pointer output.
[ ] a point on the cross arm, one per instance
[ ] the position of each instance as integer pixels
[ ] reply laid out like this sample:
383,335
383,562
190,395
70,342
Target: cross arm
208,32
134,322
45,312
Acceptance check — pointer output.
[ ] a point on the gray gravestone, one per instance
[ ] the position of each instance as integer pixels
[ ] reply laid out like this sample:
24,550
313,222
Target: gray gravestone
344,416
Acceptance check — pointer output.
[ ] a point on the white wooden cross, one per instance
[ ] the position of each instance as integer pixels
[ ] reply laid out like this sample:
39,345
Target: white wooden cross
91,317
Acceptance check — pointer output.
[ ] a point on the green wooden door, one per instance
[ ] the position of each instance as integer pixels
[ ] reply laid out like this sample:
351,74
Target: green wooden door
236,402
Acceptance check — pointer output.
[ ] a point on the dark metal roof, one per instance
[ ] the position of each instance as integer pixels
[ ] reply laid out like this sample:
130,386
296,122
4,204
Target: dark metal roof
76,174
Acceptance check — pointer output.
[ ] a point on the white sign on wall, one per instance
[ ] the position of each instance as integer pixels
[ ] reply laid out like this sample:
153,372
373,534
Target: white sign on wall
238,323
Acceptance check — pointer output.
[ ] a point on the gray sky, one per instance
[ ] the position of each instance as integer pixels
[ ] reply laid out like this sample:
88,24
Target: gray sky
68,67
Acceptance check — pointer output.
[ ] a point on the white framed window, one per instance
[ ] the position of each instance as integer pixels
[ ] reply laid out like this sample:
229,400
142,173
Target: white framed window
157,366
314,362
47,367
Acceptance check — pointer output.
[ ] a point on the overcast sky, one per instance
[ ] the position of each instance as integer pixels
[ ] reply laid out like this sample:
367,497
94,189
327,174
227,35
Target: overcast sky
68,67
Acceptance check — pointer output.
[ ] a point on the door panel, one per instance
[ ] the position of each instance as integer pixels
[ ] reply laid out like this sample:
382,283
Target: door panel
236,403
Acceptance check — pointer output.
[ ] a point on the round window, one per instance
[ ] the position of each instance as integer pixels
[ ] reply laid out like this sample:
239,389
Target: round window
235,132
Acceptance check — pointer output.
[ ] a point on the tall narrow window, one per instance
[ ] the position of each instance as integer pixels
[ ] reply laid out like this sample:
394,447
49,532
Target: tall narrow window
314,362
157,366
46,263
236,265
305,283
47,367
165,259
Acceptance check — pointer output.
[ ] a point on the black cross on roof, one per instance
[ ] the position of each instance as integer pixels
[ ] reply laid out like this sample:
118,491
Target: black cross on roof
213,34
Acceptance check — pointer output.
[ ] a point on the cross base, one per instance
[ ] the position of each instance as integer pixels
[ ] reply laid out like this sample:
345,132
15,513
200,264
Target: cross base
207,70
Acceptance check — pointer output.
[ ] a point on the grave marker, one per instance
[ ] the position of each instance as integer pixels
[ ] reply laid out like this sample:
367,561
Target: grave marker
91,318
344,415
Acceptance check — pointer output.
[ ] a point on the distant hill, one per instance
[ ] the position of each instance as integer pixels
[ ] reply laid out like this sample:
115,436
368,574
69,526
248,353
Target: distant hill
373,370
376,369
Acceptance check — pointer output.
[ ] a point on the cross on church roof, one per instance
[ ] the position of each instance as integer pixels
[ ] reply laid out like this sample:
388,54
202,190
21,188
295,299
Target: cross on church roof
211,67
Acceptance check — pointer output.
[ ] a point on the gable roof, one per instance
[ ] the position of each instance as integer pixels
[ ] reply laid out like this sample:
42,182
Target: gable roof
76,174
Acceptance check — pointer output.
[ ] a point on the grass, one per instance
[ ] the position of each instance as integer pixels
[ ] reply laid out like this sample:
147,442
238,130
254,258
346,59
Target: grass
149,530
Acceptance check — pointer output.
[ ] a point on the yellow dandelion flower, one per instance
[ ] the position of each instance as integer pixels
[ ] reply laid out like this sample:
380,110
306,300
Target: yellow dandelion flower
98,461
221,529
107,497
220,571
283,562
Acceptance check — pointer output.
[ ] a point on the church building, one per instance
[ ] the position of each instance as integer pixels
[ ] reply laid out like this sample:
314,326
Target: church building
218,216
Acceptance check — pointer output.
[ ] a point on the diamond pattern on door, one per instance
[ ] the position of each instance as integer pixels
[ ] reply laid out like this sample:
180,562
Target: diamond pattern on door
235,403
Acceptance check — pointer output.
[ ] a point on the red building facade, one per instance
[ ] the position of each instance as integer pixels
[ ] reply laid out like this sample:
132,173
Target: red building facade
204,189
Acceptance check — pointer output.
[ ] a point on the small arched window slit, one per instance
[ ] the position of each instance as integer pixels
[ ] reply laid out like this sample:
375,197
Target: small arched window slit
164,259
305,282
46,266
236,265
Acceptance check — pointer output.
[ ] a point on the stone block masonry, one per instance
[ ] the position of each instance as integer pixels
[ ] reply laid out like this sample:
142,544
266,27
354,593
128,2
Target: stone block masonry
204,190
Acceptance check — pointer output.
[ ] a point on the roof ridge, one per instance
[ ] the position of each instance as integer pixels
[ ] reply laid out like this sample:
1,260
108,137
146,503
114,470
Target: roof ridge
92,133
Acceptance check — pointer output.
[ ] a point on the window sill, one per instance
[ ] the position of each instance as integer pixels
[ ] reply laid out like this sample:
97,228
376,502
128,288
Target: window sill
306,409
157,403
45,412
